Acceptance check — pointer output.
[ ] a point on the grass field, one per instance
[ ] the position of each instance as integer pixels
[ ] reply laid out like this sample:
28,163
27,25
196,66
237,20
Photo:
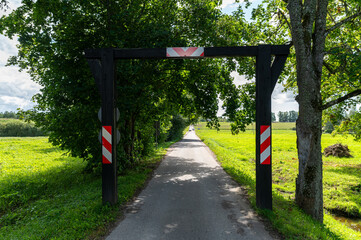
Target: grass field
275,126
7,120
45,194
342,178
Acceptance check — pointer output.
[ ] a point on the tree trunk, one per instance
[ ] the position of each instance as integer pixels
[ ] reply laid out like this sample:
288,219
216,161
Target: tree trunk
308,22
309,195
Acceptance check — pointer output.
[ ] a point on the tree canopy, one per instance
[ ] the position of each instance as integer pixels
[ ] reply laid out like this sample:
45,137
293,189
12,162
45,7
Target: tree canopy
53,35
322,71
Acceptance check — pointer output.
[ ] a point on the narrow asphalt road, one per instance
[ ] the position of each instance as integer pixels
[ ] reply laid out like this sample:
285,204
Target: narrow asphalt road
190,197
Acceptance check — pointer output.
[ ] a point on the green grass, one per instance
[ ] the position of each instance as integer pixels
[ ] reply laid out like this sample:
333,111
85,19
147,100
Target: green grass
7,120
341,179
275,126
45,194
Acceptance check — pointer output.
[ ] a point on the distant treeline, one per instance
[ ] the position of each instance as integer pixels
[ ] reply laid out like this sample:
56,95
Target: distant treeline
18,128
8,114
290,116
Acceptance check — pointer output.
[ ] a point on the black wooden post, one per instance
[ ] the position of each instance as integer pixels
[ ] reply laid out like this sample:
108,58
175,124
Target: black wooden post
108,95
264,90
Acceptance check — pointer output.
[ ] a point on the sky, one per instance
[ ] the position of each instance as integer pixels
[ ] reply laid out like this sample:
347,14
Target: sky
17,89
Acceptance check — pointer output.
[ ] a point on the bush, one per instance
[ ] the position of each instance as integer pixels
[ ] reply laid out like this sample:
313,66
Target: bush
328,128
19,129
176,131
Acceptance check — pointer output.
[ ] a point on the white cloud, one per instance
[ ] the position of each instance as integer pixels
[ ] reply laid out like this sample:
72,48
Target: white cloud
12,4
229,6
238,79
7,49
233,3
21,102
8,103
229,3
16,88
283,101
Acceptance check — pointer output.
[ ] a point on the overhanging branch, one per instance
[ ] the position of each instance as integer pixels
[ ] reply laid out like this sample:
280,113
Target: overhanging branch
341,99
340,23
282,14
328,67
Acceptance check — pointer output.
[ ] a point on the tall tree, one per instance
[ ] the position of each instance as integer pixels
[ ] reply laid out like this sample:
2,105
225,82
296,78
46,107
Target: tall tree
292,116
308,21
327,58
283,116
308,28
53,35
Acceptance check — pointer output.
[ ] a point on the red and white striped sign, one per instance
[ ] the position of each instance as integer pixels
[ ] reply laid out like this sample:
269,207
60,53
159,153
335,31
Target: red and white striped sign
107,144
265,141
185,52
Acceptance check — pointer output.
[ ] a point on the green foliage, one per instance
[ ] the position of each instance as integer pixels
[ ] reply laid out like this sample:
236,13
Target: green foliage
270,24
342,59
341,120
46,195
16,128
273,116
328,127
341,179
351,125
282,116
8,114
286,116
241,107
342,56
292,116
177,128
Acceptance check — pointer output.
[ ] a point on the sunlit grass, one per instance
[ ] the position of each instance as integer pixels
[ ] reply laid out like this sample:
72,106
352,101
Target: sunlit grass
237,153
6,120
45,194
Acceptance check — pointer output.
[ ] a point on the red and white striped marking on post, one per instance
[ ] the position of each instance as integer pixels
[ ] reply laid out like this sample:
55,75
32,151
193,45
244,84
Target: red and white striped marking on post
265,141
107,144
185,52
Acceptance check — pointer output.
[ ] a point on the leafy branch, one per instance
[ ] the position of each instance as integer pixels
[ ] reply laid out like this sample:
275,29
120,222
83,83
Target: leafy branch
329,67
341,99
282,14
340,23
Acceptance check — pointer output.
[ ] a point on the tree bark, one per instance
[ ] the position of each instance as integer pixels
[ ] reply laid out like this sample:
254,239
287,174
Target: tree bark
308,26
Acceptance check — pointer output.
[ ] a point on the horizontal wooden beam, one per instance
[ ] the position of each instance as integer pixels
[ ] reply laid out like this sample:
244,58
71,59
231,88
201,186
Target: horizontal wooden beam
209,52
231,51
